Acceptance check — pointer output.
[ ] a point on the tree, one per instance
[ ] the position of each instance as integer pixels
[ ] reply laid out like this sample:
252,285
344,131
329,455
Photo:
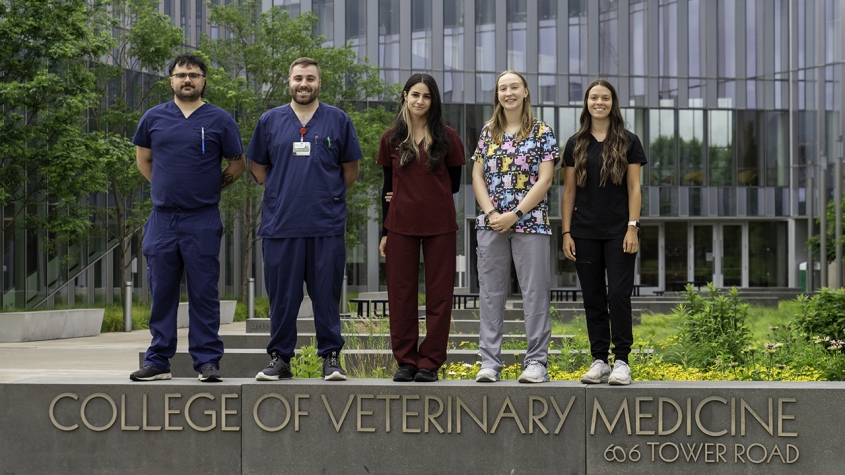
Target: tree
48,160
143,42
250,77
814,242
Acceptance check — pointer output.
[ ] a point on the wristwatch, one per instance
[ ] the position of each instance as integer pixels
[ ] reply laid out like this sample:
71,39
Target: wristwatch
636,224
518,212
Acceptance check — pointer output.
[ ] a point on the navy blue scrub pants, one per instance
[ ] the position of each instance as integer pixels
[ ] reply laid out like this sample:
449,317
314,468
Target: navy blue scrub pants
607,306
318,261
177,240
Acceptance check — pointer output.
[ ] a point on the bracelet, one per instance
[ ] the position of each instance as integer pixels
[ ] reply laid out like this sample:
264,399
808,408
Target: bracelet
566,232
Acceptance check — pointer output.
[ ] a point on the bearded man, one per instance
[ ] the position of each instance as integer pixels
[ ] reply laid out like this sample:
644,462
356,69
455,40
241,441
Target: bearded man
305,154
180,146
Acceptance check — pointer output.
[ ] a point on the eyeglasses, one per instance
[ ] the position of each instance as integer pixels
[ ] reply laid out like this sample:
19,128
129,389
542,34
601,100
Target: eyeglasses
182,76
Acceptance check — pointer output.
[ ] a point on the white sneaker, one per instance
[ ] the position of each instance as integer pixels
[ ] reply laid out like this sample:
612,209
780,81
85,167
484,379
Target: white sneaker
487,375
621,374
535,372
598,373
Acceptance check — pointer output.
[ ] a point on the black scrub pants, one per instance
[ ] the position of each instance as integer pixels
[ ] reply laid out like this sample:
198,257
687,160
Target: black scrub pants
607,304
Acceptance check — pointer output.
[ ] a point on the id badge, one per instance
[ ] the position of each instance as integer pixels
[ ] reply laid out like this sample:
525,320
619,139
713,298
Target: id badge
302,149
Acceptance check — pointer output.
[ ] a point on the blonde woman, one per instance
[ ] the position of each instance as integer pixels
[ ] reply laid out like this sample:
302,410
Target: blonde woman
513,170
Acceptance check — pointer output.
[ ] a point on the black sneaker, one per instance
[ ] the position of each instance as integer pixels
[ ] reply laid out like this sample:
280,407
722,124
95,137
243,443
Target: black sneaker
404,374
210,374
332,370
150,373
425,375
277,369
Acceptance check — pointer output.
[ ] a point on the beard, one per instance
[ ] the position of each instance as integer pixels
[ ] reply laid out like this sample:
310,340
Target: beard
188,95
311,96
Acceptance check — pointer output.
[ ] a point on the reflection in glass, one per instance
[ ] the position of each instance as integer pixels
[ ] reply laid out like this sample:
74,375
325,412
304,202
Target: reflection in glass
726,201
485,35
578,37
675,253
696,202
732,255
356,26
517,11
721,147
768,245
702,253
661,150
777,148
388,34
608,37
669,201
750,151
649,255
324,9
547,61
691,147
421,35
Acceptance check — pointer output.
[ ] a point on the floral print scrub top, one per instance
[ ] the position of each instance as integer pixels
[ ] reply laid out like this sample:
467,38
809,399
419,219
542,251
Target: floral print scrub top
510,169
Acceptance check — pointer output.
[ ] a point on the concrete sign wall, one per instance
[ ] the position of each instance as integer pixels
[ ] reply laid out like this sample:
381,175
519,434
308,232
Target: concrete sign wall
449,427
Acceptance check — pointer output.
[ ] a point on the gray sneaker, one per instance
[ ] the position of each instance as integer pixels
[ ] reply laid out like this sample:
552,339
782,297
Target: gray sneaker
487,375
332,370
598,373
277,369
621,375
534,372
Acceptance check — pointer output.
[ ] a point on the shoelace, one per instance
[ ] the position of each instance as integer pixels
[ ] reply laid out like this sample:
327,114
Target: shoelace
332,360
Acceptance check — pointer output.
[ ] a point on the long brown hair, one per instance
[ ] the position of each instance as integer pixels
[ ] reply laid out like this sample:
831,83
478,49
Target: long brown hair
615,151
498,121
436,141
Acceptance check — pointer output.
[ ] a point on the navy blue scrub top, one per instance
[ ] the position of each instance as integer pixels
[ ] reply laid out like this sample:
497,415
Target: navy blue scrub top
304,196
186,176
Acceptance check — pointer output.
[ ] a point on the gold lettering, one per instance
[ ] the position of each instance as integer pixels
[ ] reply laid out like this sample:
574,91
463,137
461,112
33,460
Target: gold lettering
698,416
639,415
708,451
678,422
789,448
296,411
721,449
775,451
144,417
622,409
387,398
224,412
691,452
739,450
460,404
406,413
433,417
511,413
733,416
689,416
331,414
287,412
168,412
663,458
748,454
85,419
532,419
652,445
743,407
361,413
449,415
785,417
53,412
123,425
565,413
190,421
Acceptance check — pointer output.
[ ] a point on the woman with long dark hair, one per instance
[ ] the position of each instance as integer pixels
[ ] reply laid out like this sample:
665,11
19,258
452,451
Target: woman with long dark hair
513,170
601,213
422,160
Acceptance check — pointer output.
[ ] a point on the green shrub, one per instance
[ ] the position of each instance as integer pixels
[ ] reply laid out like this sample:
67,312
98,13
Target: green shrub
823,314
307,364
713,328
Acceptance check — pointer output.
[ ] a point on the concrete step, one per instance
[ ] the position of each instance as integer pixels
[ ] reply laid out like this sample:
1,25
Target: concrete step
365,340
246,363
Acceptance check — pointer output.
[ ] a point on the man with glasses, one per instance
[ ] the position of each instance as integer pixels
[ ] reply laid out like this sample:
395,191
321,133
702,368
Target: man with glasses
180,146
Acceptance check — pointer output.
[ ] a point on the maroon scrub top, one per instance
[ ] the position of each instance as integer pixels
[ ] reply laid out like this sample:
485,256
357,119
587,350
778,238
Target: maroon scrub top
422,203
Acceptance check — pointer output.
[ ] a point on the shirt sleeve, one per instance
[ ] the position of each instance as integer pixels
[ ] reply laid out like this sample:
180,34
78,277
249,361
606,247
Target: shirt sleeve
142,133
636,153
384,149
257,151
232,145
352,148
483,143
568,150
548,141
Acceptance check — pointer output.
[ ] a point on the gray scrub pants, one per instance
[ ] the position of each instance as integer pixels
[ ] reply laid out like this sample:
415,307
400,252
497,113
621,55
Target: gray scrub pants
531,260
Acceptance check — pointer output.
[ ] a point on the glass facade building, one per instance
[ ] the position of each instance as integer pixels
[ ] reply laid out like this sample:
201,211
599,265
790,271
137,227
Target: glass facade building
738,104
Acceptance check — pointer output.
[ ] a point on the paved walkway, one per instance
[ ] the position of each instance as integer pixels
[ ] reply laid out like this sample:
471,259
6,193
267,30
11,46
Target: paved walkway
108,355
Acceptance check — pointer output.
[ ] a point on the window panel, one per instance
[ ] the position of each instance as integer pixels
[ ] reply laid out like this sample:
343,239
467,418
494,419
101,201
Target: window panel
720,141
662,147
